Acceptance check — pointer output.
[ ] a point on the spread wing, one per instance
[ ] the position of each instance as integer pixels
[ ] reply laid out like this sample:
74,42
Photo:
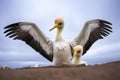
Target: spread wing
30,34
92,31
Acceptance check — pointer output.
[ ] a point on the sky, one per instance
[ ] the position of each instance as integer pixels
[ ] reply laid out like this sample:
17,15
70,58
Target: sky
74,12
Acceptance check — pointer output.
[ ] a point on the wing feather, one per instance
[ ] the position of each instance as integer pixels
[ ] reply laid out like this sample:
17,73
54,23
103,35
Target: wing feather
29,33
92,31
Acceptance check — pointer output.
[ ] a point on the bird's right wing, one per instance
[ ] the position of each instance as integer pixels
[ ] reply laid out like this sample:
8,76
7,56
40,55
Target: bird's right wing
29,33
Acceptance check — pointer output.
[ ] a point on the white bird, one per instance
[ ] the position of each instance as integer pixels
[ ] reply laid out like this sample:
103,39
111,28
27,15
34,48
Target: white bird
37,65
59,51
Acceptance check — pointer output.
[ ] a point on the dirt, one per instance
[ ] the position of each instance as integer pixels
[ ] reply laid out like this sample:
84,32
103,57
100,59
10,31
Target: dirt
108,71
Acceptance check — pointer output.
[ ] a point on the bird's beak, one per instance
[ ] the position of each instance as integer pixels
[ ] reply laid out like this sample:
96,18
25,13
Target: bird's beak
55,26
75,54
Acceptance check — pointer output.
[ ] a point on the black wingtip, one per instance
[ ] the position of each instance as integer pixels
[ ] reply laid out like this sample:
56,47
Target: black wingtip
107,26
9,29
11,25
104,21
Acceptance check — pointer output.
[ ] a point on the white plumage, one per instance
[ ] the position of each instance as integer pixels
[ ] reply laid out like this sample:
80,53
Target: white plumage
62,52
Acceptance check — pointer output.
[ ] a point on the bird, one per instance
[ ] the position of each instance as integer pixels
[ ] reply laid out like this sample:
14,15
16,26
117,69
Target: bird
77,55
37,65
58,51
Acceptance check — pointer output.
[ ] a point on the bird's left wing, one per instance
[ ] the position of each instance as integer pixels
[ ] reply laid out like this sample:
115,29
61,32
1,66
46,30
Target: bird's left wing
92,31
29,33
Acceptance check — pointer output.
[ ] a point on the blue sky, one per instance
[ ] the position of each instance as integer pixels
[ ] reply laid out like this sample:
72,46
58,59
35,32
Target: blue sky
75,14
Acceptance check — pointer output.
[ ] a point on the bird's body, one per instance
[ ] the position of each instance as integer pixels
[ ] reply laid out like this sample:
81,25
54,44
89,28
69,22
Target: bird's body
59,51
62,52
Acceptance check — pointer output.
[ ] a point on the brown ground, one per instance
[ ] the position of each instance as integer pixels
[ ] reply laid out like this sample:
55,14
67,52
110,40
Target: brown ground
109,71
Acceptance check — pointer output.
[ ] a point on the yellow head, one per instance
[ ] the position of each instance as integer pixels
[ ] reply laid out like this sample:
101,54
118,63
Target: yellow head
59,23
77,50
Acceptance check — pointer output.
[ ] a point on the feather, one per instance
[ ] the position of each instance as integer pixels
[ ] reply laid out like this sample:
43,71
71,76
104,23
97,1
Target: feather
29,33
92,31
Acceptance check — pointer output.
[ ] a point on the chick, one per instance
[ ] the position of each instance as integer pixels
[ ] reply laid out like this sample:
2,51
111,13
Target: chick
77,55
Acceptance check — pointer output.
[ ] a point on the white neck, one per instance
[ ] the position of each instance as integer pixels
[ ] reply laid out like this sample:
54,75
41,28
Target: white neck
59,34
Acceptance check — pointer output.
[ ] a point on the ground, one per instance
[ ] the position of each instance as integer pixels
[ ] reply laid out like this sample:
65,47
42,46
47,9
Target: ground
108,71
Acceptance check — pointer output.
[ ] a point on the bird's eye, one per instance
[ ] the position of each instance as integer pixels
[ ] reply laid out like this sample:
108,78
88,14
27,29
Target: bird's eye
60,24
78,51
